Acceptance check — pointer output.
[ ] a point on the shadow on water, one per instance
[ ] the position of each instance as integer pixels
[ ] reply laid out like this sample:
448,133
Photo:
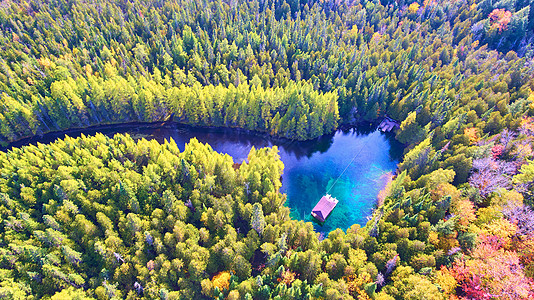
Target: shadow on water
296,148
350,164
108,130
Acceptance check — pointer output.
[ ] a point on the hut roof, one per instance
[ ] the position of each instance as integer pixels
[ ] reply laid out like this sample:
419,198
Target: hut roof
324,207
388,124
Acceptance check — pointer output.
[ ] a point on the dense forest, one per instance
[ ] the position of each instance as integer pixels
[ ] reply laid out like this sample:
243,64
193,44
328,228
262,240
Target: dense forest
115,218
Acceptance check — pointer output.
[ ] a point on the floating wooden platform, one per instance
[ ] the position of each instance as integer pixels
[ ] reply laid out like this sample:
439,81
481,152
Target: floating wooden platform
324,207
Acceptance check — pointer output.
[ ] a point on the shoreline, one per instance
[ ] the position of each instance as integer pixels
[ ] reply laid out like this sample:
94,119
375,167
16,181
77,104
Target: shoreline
131,128
365,126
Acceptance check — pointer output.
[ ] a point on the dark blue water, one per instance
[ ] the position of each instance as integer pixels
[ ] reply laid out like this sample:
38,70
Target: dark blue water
351,165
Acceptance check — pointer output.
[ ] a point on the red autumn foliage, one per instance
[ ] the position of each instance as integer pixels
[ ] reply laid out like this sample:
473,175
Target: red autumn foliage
492,272
497,151
499,18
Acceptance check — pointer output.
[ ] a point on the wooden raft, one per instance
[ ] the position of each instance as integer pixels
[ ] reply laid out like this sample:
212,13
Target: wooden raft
324,207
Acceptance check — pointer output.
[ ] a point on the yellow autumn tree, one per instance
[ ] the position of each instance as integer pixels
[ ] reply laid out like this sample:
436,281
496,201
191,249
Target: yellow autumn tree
465,210
471,133
221,280
414,7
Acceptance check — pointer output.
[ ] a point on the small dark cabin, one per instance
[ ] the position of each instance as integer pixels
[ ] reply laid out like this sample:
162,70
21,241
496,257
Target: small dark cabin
388,124
324,207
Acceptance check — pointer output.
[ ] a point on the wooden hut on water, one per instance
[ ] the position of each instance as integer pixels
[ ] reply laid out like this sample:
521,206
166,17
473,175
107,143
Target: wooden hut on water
388,124
324,207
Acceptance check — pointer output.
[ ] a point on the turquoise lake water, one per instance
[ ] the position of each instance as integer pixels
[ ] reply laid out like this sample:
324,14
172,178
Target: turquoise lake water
353,169
352,165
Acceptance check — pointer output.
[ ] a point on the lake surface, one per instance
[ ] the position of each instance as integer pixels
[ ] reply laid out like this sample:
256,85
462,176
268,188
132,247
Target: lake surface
351,165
